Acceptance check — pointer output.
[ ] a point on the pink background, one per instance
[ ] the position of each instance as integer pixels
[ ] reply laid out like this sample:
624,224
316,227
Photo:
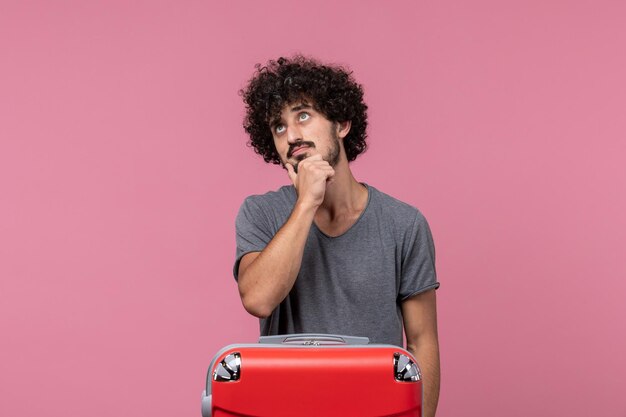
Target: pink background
123,163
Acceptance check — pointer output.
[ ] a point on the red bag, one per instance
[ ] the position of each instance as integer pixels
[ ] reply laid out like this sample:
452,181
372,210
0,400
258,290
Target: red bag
313,375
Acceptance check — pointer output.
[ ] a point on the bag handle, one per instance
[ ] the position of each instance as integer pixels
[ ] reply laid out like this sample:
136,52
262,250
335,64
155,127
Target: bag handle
313,339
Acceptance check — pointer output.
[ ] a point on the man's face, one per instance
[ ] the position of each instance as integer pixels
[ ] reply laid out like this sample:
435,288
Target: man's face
301,131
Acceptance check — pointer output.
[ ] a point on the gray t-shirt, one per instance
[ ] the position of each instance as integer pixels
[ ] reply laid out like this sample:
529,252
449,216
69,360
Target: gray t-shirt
352,284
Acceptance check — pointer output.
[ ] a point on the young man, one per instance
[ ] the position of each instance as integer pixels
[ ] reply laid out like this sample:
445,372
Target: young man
328,254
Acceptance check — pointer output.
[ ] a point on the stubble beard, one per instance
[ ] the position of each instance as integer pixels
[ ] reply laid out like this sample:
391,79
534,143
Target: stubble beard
333,153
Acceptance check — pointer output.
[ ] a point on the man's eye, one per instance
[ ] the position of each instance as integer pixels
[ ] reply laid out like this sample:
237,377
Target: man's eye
303,116
279,128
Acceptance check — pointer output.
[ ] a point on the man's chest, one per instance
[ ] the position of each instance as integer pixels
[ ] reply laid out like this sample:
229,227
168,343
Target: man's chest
337,226
350,259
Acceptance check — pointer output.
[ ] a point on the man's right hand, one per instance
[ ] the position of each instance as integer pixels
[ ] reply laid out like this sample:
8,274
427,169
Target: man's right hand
311,179
266,277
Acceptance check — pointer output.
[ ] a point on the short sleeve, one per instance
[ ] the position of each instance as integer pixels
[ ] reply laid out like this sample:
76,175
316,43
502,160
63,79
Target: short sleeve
418,260
253,231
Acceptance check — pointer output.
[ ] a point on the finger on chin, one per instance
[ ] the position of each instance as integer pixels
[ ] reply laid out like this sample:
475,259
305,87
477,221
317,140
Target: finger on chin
291,172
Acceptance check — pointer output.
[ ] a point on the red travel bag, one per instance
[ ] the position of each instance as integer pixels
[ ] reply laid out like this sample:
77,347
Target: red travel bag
313,375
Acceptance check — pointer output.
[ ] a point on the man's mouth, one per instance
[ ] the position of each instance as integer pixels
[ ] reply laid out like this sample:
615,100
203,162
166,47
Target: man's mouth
299,147
299,150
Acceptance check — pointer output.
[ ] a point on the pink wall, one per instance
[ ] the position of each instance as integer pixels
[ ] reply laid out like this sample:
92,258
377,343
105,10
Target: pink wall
122,165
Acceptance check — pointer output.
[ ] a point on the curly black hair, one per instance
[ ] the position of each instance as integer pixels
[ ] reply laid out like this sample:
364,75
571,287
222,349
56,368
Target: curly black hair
331,90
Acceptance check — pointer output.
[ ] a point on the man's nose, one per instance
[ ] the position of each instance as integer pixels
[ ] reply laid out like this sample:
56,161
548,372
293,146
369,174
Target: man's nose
293,134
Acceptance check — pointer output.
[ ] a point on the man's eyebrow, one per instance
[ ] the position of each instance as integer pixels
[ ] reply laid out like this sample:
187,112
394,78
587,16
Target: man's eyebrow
275,121
301,106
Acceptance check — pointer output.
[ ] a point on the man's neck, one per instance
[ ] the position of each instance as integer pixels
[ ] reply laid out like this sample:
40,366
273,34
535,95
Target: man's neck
344,194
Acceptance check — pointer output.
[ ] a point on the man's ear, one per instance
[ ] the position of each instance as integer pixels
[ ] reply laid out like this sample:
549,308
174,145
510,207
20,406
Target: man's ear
343,128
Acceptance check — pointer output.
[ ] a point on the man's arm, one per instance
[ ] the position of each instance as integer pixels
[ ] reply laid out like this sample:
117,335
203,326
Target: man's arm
265,278
420,326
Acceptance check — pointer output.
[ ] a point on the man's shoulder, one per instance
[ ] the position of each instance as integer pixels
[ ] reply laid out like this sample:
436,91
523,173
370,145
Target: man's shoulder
393,206
285,196
403,218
